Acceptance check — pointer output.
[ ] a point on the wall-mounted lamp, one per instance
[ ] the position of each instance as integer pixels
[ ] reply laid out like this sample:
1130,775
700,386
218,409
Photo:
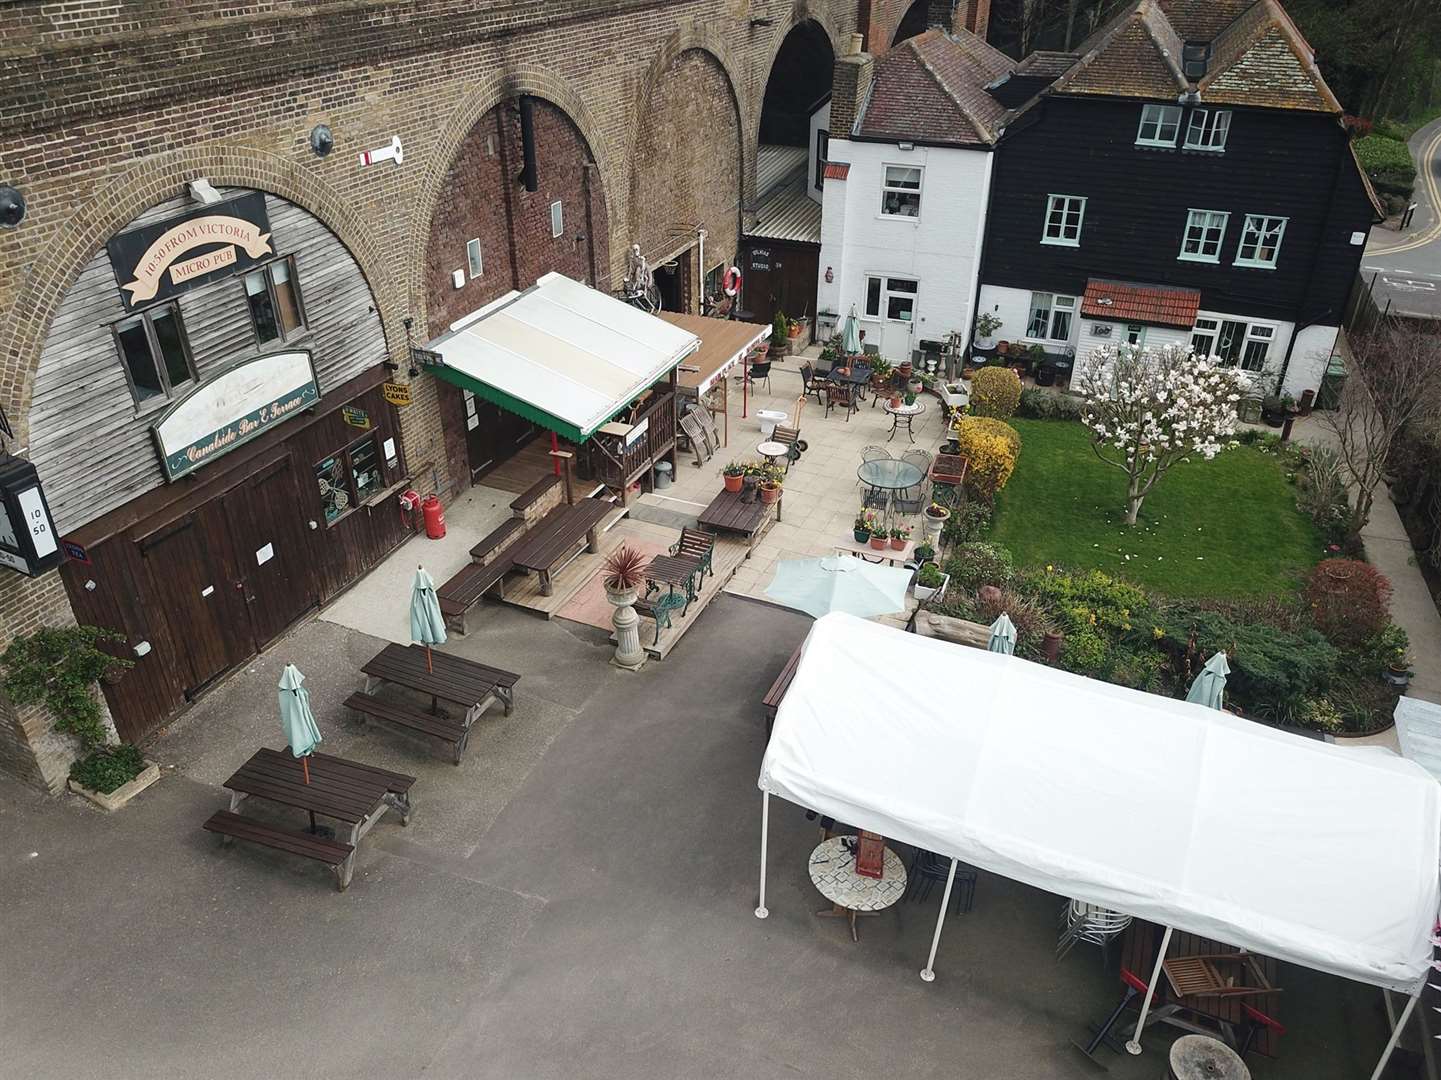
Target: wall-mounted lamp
321,140
12,207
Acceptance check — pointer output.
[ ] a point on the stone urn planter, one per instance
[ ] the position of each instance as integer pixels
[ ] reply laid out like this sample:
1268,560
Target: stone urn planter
114,800
934,523
628,652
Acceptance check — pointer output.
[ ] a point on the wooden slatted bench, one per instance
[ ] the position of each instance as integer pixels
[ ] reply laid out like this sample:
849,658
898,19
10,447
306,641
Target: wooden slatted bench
456,733
462,592
562,535
497,540
333,853
772,701
538,499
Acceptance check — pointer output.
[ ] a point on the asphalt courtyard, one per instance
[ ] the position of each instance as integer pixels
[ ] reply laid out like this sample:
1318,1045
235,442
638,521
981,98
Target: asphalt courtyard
575,900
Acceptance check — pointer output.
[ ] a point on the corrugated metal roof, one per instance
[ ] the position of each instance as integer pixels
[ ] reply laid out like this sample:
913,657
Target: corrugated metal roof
789,214
774,165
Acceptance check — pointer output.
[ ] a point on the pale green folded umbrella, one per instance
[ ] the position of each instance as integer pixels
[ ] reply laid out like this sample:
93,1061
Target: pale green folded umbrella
1003,635
851,334
839,583
1209,687
296,719
427,625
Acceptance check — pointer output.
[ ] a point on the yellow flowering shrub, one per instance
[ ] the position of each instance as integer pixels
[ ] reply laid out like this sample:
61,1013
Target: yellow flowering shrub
995,392
991,447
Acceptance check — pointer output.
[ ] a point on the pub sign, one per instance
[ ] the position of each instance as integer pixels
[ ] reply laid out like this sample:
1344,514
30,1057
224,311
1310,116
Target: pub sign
158,261
27,532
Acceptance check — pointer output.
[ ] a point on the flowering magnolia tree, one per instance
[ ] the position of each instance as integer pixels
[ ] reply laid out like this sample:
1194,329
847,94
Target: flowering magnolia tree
1150,408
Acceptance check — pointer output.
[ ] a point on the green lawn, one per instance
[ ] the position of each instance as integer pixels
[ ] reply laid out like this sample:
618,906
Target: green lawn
1225,527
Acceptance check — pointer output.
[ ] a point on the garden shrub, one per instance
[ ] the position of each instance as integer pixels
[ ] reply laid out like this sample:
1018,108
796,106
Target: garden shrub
1096,612
1321,493
1349,600
995,392
1388,163
991,447
968,522
1031,617
973,565
108,768
1037,404
1319,714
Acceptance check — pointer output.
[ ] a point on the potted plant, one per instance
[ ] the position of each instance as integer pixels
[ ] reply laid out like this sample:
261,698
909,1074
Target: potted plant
925,553
909,397
1003,347
986,327
59,667
862,527
622,574
734,474
880,535
930,582
769,483
900,534
1394,646
780,333
936,517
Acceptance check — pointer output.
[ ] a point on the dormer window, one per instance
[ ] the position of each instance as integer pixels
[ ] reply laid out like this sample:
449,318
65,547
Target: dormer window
1208,129
1160,125
1195,58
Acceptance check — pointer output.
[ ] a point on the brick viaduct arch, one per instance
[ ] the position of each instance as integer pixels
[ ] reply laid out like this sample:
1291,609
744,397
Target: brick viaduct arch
126,196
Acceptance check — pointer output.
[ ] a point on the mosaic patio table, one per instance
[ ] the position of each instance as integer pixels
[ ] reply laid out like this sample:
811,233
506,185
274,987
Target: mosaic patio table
833,872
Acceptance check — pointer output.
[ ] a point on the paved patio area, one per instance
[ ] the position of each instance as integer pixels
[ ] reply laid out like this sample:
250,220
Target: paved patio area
574,900
821,494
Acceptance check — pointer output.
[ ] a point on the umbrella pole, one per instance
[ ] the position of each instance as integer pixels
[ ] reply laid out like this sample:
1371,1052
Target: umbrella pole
1133,1046
428,669
761,911
1396,1034
305,769
927,973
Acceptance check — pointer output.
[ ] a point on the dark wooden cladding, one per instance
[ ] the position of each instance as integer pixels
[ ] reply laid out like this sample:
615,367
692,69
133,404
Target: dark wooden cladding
242,529
1284,163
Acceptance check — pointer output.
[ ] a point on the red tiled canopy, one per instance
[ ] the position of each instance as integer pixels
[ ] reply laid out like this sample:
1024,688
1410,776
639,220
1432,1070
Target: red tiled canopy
1123,301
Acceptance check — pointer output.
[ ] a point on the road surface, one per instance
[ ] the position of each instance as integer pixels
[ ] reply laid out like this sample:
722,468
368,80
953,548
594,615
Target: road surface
1407,266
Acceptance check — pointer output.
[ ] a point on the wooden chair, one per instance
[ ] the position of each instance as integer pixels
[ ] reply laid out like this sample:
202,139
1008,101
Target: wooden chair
790,436
811,383
843,395
699,545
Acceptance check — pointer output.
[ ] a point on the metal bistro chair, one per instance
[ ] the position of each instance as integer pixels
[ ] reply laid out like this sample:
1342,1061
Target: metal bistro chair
811,383
760,372
872,453
1081,921
929,869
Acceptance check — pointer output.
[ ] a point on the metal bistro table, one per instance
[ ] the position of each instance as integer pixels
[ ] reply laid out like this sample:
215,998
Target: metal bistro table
858,376
904,414
833,872
889,475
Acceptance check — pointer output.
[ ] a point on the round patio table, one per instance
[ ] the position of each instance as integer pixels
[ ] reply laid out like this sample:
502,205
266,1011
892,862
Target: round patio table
889,475
904,414
833,872
1199,1057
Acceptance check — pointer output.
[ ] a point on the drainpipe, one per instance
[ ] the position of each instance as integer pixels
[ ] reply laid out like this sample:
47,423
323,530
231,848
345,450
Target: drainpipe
700,256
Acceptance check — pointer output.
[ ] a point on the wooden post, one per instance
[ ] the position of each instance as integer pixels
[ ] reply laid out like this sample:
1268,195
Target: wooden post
564,456
554,448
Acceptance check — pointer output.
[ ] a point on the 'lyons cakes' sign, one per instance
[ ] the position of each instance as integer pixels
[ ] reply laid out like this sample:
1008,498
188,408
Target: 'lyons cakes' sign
157,261
232,408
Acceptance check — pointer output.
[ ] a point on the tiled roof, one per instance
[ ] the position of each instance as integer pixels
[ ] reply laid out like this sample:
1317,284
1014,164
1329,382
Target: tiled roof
837,170
1126,301
931,89
1043,63
1258,57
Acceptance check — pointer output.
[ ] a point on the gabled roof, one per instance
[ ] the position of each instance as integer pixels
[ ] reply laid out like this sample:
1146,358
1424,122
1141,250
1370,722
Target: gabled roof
1258,56
931,89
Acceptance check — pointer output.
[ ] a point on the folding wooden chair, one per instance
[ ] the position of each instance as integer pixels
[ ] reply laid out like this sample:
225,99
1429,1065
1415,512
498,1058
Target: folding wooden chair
699,440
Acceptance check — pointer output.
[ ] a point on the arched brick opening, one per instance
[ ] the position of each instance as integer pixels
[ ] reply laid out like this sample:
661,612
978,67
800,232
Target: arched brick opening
913,22
128,195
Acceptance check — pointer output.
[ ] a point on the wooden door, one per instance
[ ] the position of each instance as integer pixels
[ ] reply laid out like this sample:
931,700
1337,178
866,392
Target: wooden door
264,518
760,298
191,577
485,441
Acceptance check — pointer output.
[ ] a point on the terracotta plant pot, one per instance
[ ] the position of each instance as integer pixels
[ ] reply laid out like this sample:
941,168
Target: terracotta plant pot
898,543
895,401
878,542
770,493
733,483
1003,347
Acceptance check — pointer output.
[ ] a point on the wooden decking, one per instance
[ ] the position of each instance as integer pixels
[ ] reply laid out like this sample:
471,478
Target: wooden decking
530,463
523,590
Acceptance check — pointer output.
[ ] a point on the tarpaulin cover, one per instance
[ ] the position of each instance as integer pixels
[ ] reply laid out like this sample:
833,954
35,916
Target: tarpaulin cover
1319,854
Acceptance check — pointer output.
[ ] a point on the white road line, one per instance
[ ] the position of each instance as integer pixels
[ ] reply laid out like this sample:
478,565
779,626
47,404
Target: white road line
1406,273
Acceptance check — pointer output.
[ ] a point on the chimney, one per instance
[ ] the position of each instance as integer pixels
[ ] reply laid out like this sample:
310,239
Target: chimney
975,16
850,85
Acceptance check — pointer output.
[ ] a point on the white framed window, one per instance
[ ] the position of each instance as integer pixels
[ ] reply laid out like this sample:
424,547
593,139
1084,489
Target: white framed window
557,219
901,191
1135,335
1063,220
473,260
1208,129
1261,241
1256,349
1234,342
1051,317
1159,125
1203,336
891,298
873,297
1205,232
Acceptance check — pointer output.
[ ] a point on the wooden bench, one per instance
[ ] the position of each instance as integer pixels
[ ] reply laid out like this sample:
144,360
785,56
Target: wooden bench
462,592
561,536
697,544
776,694
454,732
496,541
539,499
333,853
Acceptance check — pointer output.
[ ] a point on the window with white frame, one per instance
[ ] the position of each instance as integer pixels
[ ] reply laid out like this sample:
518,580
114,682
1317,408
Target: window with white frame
891,298
473,260
1205,232
901,191
1260,241
873,298
1159,125
1233,342
1135,335
557,218
1051,317
1256,349
1063,220
1208,129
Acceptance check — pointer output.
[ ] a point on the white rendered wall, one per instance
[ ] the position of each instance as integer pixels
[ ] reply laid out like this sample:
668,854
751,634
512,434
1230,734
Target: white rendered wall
1309,357
940,249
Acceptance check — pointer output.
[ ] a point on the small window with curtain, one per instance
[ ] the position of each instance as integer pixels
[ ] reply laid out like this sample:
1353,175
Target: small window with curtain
901,193
1159,125
1261,241
1051,317
1205,230
153,349
273,295
1208,129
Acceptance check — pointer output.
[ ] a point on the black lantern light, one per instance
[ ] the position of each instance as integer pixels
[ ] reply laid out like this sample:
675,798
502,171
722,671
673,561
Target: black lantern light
12,207
321,140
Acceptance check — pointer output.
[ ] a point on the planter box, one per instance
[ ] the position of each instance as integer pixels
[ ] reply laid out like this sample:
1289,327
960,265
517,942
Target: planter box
124,793
923,594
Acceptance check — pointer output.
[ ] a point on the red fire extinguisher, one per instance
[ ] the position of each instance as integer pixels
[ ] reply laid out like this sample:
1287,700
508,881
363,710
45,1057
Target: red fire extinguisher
434,516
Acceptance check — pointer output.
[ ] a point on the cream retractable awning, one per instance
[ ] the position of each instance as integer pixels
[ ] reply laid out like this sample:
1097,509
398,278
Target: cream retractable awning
561,354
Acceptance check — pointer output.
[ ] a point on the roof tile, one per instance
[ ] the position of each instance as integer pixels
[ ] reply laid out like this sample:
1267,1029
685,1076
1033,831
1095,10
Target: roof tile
931,89
1126,301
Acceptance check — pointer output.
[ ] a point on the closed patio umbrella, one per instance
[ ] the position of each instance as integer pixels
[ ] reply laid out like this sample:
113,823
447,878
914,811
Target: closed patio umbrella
296,719
851,333
427,625
839,583
1209,687
1003,635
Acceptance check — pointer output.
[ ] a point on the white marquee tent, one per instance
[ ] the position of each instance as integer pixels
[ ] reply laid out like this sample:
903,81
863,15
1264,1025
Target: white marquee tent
1194,819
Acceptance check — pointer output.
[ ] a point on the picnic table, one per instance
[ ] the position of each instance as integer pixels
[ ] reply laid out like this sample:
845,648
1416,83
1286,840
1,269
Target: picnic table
451,678
557,539
349,792
728,512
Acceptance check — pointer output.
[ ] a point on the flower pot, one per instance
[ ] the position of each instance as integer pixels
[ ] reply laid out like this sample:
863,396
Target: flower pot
987,341
905,368
733,483
898,543
770,493
1397,678
1051,646
878,542
895,401
863,536
937,592
1003,347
